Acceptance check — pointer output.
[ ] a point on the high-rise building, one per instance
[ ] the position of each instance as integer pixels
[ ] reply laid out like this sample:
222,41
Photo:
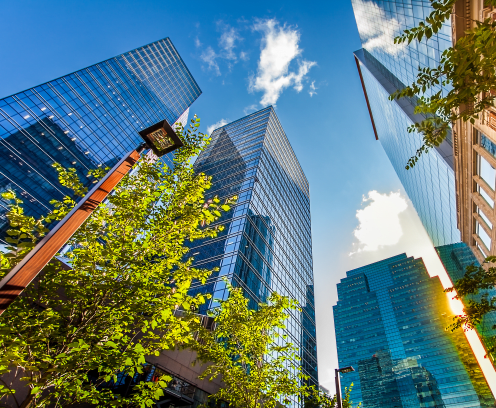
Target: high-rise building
266,245
87,119
385,67
390,323
475,153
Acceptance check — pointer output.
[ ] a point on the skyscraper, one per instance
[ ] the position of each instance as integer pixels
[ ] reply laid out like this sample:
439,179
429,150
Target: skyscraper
390,323
385,67
266,244
87,119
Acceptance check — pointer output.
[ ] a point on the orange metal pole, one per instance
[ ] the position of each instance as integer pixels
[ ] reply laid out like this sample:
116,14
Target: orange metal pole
21,276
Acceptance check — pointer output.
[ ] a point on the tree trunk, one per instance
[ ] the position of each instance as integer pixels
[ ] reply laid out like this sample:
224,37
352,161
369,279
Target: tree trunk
28,402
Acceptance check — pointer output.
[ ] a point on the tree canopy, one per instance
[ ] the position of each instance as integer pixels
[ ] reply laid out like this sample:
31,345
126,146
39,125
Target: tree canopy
258,364
110,301
477,289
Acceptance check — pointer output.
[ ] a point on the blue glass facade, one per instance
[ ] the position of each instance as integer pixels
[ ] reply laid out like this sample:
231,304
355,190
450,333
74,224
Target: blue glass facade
385,67
266,245
390,324
456,258
430,184
87,119
379,21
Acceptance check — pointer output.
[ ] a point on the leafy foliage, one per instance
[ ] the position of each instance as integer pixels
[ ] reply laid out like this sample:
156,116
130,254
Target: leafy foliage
441,12
259,367
468,69
475,280
112,300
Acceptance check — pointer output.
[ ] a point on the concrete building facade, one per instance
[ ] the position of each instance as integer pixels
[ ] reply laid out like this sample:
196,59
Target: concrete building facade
475,154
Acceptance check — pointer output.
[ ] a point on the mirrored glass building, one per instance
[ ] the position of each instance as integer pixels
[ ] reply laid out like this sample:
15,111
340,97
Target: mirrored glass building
87,119
385,67
266,244
390,323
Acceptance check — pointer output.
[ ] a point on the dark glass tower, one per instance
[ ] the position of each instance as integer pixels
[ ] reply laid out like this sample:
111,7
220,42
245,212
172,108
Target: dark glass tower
385,67
390,323
87,119
266,244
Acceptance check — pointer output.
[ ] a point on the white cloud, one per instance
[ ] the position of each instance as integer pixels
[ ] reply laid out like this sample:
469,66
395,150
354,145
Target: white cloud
279,48
312,89
244,56
250,109
227,42
376,30
379,222
216,125
209,56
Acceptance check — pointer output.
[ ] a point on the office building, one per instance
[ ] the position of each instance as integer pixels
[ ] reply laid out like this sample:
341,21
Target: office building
266,245
87,119
451,186
385,67
475,153
390,323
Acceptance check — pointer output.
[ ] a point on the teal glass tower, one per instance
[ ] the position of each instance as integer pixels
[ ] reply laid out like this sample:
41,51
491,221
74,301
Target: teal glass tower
87,119
385,67
265,245
390,323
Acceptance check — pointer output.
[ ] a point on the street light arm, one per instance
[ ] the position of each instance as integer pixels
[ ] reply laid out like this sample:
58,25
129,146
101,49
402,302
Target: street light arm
23,273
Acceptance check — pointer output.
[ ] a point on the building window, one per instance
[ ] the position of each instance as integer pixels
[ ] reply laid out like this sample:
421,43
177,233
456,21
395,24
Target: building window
485,238
487,172
485,218
482,250
486,197
487,144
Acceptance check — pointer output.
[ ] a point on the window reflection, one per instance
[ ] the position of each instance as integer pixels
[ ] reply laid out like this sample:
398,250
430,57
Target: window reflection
487,172
483,235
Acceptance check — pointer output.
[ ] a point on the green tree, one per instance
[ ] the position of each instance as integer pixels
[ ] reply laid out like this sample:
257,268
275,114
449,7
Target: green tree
113,301
476,280
468,70
259,367
319,399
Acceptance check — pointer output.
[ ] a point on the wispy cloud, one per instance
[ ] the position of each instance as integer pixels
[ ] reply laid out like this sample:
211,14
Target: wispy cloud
226,49
227,41
209,57
379,222
216,125
250,109
376,30
244,56
280,46
312,89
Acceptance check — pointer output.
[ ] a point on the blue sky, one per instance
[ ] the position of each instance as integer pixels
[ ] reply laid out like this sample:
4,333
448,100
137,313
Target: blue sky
244,55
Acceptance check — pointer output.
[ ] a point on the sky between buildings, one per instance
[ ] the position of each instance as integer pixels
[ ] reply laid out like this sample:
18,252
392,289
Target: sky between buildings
246,55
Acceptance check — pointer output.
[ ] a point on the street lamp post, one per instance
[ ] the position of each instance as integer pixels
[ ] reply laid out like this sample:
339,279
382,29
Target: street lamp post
159,137
339,398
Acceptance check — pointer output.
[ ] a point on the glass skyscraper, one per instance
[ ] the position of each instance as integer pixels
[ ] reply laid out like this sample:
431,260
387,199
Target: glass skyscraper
87,119
385,67
390,323
266,244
